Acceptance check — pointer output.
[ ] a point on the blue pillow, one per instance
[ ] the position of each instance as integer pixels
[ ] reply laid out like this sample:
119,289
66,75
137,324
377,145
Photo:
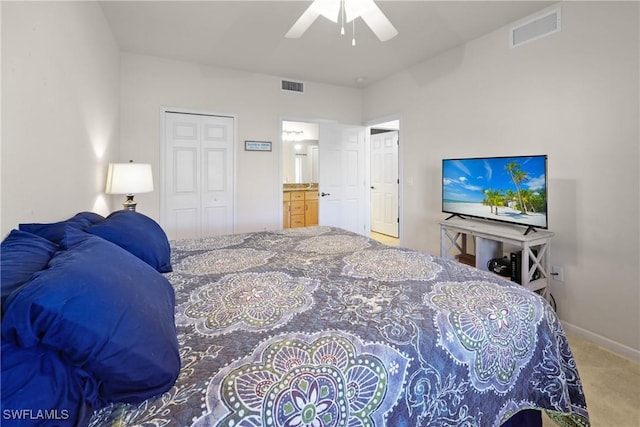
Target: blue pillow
138,234
38,387
106,312
21,255
55,231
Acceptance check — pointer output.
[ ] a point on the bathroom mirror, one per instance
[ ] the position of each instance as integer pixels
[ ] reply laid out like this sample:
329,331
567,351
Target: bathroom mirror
299,152
300,161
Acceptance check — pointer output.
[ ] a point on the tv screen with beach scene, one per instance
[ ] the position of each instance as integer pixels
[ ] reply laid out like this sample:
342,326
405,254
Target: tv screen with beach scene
507,189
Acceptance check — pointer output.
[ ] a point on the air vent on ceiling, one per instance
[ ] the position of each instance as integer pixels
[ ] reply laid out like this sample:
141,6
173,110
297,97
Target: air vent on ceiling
536,28
292,86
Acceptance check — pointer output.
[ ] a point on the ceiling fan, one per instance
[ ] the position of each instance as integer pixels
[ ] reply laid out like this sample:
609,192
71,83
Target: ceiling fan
345,11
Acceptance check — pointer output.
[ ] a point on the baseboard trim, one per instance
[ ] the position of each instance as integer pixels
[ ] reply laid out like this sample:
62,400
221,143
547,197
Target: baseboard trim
604,342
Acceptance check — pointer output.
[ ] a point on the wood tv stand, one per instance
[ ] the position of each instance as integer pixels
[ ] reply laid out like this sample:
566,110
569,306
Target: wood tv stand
490,239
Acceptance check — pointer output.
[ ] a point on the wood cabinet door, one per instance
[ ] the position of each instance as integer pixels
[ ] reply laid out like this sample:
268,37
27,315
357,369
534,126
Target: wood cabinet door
297,221
286,215
311,212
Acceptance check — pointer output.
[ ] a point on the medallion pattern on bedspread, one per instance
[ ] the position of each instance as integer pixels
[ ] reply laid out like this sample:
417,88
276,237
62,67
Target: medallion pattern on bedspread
319,326
224,261
333,244
388,307
249,301
328,378
306,231
391,265
488,328
209,243
557,374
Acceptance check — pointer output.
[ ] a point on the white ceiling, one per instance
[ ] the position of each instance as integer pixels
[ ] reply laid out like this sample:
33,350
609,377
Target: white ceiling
249,35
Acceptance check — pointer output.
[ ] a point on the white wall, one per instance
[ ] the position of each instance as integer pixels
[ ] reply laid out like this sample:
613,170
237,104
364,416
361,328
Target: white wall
573,95
149,83
59,110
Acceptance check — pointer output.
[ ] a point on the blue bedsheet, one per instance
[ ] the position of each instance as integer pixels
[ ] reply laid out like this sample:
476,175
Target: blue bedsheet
319,326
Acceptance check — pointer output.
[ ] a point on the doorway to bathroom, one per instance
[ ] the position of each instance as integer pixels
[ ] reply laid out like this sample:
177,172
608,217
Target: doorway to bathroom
342,184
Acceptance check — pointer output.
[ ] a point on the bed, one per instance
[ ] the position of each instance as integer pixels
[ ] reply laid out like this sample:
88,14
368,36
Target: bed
319,326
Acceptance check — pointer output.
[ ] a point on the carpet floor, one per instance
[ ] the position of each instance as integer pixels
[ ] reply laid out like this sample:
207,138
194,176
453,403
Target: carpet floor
611,384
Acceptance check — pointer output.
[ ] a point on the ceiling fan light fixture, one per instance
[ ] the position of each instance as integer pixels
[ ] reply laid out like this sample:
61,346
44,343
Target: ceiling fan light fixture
355,8
330,9
348,11
353,38
342,17
377,21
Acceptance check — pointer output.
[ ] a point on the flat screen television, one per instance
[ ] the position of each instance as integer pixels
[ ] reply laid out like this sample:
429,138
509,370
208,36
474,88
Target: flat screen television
506,189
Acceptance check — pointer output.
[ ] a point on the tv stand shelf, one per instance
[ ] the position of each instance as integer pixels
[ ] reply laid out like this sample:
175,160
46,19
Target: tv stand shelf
489,241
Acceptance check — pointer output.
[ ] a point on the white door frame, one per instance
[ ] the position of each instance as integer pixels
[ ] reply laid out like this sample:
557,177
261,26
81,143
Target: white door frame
163,144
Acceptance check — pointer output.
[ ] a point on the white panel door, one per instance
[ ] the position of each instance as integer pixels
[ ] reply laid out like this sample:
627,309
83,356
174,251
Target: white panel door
217,175
384,183
342,177
197,175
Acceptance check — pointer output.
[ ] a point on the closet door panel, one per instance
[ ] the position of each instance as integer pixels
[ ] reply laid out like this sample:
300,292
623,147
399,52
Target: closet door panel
217,175
197,171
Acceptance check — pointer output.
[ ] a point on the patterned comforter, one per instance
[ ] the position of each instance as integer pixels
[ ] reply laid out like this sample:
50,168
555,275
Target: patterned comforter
322,327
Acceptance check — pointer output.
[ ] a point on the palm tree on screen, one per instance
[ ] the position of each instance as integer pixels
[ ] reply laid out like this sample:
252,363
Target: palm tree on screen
517,176
494,198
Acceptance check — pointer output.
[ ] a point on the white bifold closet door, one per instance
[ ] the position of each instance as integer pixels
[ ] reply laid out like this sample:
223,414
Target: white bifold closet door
197,175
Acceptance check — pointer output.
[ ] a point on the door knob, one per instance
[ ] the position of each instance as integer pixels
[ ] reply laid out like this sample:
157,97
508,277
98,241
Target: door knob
325,194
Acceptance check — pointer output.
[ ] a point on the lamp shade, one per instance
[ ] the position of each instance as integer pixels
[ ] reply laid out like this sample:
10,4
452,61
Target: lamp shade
129,178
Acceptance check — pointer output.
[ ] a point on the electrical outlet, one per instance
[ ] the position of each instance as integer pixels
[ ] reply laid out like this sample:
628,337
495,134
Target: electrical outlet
557,273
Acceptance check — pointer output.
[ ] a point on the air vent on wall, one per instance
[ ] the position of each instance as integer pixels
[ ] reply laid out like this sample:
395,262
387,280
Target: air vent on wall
292,86
536,28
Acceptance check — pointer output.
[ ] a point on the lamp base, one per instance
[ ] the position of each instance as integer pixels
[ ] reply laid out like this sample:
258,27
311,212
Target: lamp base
130,204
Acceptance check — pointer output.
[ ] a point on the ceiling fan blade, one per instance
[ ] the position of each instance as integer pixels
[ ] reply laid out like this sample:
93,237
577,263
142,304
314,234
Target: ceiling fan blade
303,23
378,22
330,9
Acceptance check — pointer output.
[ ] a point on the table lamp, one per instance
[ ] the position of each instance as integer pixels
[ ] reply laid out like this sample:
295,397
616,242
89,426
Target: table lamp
129,178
